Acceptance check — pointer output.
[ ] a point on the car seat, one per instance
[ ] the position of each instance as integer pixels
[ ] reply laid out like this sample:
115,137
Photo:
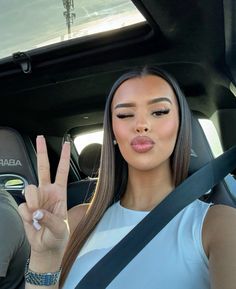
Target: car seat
17,163
89,161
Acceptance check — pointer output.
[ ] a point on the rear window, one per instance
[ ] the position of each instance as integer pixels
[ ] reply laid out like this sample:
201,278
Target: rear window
81,141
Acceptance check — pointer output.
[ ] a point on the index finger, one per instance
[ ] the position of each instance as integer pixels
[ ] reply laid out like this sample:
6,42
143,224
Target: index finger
63,166
42,161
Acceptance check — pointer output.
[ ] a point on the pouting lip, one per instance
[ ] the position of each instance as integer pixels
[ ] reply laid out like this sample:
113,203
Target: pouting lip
142,140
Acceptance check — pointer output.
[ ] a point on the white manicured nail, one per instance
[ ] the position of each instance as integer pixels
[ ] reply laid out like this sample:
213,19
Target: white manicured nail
36,225
37,215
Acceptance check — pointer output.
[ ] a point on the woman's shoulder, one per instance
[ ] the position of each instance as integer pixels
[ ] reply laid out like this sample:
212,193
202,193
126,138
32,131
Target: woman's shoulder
219,235
220,218
219,226
196,210
76,214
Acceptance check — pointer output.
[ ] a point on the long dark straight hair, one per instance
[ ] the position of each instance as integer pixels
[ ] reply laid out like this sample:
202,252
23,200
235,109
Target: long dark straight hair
113,173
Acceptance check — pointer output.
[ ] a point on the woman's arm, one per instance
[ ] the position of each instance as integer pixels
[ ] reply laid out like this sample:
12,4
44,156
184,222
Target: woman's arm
45,219
75,215
219,240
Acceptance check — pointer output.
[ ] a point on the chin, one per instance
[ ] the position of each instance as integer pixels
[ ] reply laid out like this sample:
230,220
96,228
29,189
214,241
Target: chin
144,167
148,164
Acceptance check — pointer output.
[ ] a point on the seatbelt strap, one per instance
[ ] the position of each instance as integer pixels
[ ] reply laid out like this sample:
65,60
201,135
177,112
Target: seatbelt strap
192,188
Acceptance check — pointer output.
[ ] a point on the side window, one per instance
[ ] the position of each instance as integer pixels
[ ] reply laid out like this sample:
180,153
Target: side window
82,140
212,136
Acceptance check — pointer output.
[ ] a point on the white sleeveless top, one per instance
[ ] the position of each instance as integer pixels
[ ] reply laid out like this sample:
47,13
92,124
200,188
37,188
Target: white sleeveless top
174,259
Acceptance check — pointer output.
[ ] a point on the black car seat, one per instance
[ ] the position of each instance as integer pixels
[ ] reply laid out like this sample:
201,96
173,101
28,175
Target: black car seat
225,191
17,162
89,161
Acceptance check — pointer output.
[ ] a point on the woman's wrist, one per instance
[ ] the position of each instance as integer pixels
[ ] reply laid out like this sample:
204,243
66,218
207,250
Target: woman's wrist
45,262
43,269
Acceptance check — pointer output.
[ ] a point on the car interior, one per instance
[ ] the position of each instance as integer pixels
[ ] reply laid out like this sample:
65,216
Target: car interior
58,64
59,89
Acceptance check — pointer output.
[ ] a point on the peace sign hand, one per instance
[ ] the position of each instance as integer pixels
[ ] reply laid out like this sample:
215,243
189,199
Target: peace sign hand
45,212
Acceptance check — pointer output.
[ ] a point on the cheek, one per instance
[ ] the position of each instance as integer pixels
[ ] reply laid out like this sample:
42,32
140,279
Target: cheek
168,131
119,130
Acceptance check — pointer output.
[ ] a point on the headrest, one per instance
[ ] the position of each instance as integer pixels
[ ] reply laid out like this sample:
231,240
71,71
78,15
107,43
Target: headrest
201,152
89,159
14,159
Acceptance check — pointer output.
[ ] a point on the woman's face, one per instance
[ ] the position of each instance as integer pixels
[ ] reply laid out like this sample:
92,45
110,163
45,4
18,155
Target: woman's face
145,122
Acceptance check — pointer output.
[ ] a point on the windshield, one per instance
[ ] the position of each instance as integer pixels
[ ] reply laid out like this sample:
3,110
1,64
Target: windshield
29,24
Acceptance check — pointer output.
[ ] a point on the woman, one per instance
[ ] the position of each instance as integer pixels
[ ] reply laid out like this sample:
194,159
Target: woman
145,155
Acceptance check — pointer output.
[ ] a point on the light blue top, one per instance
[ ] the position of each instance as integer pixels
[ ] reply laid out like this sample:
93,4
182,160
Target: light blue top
174,259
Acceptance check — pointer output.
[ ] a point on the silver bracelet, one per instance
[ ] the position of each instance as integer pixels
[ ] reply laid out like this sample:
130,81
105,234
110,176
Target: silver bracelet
41,279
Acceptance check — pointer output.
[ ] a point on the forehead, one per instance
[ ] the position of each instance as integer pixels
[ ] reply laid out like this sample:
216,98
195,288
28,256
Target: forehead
143,89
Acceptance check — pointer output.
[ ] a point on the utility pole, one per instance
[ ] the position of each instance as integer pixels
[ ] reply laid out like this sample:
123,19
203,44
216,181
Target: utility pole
69,14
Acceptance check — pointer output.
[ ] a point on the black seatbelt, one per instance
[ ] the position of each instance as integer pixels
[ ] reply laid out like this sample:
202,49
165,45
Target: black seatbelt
192,188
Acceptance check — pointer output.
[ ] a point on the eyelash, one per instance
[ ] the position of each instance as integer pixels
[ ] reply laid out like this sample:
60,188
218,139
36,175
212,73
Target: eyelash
154,113
124,115
160,112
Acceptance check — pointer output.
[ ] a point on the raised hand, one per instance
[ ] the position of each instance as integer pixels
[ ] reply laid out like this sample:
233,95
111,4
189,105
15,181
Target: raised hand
45,212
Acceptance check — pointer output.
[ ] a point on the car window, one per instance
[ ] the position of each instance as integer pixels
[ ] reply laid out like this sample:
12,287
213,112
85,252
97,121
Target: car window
212,136
83,140
59,21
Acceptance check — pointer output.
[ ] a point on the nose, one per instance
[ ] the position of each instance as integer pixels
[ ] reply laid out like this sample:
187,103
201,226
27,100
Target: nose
142,126
142,129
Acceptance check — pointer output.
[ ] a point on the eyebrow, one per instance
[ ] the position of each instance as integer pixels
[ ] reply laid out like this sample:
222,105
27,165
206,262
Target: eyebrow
152,101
